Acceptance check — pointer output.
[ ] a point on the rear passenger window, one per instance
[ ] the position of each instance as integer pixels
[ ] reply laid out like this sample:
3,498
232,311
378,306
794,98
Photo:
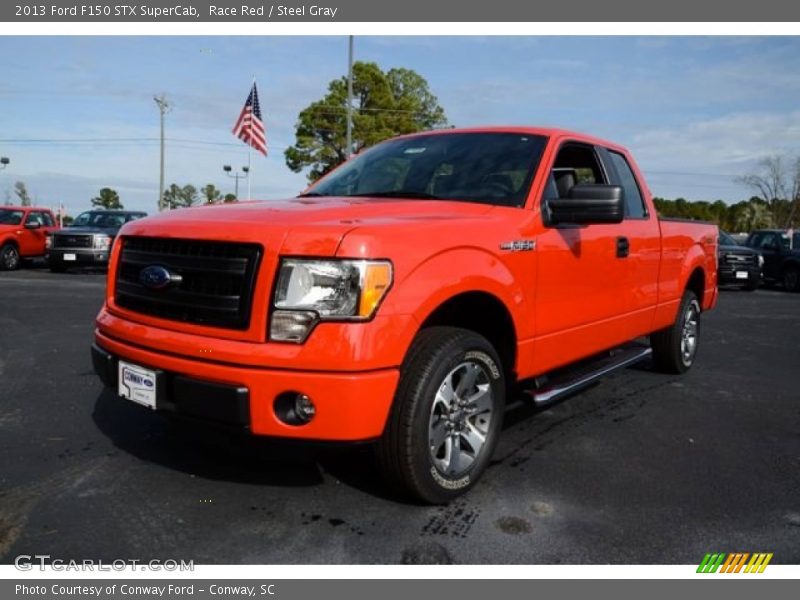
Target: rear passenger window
634,205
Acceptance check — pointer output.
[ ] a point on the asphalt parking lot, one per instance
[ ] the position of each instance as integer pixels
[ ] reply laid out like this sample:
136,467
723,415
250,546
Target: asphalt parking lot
643,468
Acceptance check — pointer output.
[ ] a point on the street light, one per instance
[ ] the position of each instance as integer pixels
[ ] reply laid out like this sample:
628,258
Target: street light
243,175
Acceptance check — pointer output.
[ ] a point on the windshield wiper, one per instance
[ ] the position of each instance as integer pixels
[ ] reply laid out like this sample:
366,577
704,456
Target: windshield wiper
398,194
311,195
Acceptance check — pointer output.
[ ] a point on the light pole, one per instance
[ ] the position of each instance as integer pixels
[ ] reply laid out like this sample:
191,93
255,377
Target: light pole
3,164
243,175
349,148
163,108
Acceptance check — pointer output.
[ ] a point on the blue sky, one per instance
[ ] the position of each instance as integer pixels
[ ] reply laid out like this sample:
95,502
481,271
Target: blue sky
696,111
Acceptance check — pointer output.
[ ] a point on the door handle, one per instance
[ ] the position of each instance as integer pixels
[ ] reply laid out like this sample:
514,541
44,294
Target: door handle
623,247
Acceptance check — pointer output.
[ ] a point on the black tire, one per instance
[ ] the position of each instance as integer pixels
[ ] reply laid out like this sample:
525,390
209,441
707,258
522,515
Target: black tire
9,258
791,279
409,456
672,350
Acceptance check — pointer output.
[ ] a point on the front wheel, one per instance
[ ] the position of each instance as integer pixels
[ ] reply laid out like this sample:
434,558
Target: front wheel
446,417
9,258
675,348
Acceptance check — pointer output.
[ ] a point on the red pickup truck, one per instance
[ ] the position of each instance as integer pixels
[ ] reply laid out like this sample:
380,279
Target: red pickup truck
23,234
402,295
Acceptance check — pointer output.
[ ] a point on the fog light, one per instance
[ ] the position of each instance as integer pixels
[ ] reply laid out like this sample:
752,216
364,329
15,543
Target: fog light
294,408
304,408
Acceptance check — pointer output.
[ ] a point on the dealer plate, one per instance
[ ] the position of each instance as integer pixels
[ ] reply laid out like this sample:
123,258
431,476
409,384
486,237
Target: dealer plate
70,257
741,275
137,383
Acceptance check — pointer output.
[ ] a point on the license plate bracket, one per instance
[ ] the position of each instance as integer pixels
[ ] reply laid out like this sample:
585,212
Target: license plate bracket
138,384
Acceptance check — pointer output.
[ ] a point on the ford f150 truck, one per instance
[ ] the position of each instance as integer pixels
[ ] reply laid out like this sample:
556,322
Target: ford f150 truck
23,233
88,240
402,295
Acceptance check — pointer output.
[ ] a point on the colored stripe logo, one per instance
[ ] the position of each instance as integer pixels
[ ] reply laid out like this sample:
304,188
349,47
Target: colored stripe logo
738,562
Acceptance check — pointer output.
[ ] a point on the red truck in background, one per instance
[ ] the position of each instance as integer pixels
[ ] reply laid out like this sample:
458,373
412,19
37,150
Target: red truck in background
402,295
23,234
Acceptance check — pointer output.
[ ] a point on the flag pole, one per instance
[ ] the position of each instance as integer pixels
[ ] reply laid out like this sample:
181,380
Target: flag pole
249,172
249,152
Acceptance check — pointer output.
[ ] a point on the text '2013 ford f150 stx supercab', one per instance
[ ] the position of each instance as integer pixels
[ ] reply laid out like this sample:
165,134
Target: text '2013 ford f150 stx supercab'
402,295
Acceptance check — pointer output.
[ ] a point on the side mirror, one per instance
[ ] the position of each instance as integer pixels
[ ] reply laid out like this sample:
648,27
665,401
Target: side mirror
34,225
588,204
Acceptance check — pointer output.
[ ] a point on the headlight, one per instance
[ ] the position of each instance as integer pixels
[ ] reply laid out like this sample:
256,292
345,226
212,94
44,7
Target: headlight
102,242
760,261
309,291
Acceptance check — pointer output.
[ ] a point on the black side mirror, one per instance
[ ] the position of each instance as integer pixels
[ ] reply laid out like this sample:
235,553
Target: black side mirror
33,225
588,204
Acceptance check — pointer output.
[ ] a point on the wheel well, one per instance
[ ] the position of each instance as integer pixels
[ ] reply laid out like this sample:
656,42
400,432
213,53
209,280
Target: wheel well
697,283
11,241
484,314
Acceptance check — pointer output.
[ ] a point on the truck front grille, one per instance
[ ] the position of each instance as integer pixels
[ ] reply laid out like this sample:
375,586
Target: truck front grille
66,240
739,259
216,280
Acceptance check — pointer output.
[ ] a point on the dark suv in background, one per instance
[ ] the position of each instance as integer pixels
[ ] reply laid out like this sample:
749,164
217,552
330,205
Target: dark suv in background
781,251
87,242
738,265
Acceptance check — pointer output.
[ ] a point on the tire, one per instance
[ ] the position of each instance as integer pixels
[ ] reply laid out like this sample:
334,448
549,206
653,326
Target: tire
791,279
675,347
9,258
428,420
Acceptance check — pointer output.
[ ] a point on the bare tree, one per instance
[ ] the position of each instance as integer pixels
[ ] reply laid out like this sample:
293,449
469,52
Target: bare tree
777,182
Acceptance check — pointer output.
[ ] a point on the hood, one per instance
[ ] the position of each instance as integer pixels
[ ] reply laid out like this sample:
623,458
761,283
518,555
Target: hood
84,230
317,225
737,249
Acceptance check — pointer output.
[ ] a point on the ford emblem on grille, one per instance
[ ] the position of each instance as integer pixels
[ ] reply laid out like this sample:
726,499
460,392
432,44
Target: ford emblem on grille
156,277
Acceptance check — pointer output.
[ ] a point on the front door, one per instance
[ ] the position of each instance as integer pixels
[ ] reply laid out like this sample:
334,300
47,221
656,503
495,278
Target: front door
583,278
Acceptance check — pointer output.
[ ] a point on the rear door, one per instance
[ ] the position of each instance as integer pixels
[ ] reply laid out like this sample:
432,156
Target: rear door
642,235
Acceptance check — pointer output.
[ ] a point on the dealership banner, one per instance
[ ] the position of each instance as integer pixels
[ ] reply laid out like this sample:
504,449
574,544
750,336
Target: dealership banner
255,11
398,589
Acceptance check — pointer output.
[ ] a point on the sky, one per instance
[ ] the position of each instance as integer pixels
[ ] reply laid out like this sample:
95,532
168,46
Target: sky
77,113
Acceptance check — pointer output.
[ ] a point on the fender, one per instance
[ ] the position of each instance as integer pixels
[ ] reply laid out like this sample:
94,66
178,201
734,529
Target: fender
671,287
440,277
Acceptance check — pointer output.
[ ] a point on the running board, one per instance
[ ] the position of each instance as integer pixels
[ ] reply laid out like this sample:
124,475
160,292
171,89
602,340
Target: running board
568,381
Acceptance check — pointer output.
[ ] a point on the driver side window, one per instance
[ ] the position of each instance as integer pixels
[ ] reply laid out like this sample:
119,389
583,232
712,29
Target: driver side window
575,164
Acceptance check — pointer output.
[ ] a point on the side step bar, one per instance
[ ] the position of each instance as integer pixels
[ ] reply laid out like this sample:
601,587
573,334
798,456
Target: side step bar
568,381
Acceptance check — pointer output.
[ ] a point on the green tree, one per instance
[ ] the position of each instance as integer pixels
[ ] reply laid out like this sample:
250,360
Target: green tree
386,104
229,198
211,194
22,193
107,198
179,197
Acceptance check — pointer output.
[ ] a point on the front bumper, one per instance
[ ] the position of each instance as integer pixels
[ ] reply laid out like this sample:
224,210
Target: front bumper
350,406
83,256
726,275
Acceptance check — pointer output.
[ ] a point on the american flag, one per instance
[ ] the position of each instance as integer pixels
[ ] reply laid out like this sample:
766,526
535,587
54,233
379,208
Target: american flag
249,127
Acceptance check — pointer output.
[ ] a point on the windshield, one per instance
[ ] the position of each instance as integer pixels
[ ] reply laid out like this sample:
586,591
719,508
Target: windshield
726,240
493,168
104,220
10,217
